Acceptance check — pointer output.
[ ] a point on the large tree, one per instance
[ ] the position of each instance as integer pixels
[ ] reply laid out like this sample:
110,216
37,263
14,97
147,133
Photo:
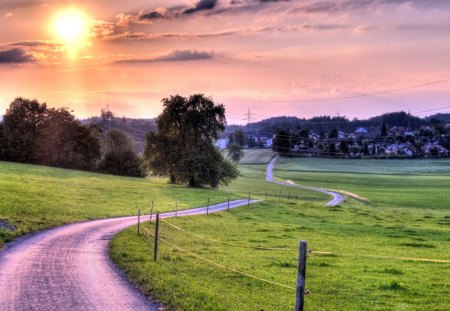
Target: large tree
183,145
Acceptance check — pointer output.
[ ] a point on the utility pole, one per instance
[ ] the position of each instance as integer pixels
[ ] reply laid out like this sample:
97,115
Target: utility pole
249,116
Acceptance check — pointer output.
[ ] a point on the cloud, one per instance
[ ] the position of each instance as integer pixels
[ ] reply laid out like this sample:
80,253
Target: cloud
330,7
175,56
8,15
202,5
20,4
15,56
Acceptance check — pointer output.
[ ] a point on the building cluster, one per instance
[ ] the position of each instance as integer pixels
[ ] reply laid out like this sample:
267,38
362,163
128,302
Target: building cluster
395,142
426,141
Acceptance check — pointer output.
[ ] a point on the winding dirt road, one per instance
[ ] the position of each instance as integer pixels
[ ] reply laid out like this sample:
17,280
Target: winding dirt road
337,198
68,268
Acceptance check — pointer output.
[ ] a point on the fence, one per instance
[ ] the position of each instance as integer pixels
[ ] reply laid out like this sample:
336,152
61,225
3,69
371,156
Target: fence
244,198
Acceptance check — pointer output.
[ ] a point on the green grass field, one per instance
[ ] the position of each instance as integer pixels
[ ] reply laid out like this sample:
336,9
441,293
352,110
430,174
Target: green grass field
408,217
369,269
257,156
36,197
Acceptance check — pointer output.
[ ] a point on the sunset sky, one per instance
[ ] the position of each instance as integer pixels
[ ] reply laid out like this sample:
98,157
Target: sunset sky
357,58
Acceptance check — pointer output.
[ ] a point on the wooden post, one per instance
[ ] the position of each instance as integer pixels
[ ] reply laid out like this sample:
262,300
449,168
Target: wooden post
155,253
289,196
176,208
207,208
151,212
301,276
228,202
266,195
139,222
248,204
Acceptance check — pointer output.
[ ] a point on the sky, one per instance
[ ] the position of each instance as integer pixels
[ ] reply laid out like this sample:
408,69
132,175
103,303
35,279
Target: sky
354,58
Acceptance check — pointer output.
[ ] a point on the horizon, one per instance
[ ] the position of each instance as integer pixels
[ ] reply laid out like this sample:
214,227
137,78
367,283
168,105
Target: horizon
290,57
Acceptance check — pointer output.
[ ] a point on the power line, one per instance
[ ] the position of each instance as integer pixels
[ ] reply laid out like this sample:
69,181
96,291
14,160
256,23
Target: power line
396,90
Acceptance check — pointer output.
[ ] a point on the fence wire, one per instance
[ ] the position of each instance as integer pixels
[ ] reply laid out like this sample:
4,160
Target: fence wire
218,264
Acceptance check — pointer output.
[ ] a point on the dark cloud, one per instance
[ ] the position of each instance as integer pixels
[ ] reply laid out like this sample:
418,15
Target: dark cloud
150,16
36,44
202,5
21,4
175,56
15,56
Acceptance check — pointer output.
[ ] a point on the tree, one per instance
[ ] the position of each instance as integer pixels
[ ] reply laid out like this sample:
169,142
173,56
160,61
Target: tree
183,145
282,143
2,143
237,138
344,147
20,129
384,132
334,133
366,150
332,148
118,155
235,152
62,141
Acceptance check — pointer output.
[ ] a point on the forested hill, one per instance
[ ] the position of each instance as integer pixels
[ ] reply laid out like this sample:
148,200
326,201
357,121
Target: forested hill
327,123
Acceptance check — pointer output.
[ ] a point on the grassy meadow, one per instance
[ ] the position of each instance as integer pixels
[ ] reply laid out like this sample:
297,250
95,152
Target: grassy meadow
370,247
256,156
37,197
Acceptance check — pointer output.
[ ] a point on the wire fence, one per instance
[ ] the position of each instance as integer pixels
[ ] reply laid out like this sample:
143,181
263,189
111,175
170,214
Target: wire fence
166,235
310,251
179,205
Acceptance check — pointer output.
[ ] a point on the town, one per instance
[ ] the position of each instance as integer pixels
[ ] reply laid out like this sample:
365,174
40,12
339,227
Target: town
431,140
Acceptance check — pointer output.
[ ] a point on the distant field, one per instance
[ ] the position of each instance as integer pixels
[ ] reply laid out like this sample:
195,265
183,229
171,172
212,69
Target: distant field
421,184
409,217
257,156
368,166
36,197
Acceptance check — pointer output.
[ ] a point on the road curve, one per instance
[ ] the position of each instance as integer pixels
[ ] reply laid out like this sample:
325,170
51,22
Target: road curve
337,198
68,268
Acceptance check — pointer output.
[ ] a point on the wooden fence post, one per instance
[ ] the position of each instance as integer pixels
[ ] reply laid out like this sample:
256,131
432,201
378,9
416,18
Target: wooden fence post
139,222
176,208
228,202
248,204
266,195
289,196
151,212
207,208
155,252
301,276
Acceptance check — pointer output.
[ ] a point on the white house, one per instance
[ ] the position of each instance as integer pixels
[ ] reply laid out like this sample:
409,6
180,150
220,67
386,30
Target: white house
222,143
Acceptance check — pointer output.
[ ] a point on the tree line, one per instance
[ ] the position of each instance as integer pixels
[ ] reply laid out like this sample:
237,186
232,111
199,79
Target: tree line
182,147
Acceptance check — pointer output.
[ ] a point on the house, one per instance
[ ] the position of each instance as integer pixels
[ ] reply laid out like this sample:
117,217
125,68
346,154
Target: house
352,136
268,143
222,143
434,148
360,131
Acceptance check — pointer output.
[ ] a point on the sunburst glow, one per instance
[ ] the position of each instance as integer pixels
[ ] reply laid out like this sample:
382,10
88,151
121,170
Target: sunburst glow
72,28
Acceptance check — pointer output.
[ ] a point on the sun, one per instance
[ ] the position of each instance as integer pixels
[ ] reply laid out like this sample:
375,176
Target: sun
71,26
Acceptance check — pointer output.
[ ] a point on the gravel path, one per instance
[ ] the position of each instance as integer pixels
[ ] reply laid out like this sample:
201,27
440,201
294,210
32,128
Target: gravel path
68,268
337,198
